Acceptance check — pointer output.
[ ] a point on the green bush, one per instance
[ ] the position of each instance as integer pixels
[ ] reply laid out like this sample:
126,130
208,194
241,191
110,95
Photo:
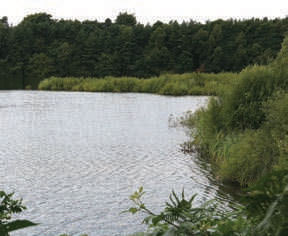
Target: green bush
181,218
244,130
277,122
250,158
265,213
8,207
267,204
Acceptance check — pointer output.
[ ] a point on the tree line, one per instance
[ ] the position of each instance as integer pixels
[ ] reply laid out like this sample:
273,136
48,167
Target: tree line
40,47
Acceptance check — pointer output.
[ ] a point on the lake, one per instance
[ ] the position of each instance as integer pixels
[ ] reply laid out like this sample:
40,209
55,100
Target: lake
76,157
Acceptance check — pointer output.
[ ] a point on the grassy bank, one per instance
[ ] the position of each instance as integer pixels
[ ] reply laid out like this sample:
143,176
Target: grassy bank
168,84
245,129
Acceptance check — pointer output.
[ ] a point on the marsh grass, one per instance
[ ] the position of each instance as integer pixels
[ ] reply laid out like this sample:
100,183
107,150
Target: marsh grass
167,84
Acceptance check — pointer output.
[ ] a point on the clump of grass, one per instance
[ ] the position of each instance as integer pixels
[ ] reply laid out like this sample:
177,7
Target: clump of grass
58,84
167,84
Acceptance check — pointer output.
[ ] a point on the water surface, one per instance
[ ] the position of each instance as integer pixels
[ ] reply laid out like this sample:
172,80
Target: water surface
76,157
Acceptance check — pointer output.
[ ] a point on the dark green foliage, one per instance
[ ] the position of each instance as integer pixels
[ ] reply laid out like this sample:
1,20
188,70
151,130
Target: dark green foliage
126,19
267,204
180,218
40,66
265,212
40,47
8,206
245,129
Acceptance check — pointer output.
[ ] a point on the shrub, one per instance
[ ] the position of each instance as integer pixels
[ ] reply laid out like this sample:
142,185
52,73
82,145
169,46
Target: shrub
9,206
250,158
180,218
265,214
244,131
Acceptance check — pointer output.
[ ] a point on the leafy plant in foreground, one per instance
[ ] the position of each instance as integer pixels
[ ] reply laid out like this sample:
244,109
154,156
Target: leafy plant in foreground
267,202
9,206
180,217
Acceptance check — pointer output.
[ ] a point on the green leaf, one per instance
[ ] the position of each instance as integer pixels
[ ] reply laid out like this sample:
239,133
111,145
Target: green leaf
176,198
172,201
183,194
18,224
156,220
133,210
147,220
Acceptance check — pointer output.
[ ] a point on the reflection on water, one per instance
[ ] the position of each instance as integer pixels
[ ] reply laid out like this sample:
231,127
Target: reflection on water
76,157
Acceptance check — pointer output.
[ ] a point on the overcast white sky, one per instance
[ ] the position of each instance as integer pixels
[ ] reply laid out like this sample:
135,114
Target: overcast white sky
145,10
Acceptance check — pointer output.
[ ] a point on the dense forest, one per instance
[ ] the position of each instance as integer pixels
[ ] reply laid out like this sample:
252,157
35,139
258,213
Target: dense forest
40,47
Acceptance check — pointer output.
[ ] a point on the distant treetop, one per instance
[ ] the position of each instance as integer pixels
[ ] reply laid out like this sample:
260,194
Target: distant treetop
126,19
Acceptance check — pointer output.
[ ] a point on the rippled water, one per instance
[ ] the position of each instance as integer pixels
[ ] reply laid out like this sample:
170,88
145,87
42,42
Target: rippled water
76,157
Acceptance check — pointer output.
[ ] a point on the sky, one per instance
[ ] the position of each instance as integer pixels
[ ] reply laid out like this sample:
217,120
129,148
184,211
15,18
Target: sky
146,11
